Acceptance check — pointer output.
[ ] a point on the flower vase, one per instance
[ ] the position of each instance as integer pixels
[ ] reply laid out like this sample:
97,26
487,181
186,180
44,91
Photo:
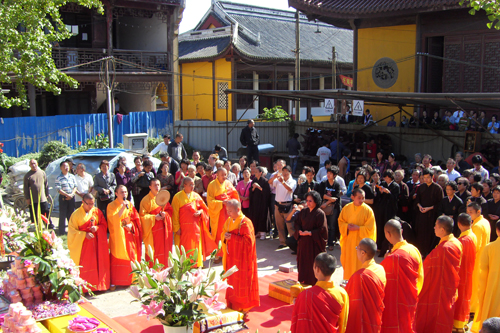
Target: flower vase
177,329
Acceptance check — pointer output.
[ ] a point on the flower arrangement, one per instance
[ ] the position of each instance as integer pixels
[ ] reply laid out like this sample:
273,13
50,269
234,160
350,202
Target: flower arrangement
12,223
45,257
179,294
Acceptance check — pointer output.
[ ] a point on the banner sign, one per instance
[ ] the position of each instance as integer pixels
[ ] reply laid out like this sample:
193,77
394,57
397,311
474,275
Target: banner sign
347,81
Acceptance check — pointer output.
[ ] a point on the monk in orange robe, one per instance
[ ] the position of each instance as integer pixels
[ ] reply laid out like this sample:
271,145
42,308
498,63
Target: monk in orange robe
239,250
125,237
366,289
405,276
219,191
88,243
435,308
323,307
469,243
191,222
156,223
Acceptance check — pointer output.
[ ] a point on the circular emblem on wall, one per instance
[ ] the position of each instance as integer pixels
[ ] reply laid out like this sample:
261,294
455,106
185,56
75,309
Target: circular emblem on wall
385,72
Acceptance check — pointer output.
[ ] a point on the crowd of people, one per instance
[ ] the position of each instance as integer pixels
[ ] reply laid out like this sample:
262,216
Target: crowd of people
448,218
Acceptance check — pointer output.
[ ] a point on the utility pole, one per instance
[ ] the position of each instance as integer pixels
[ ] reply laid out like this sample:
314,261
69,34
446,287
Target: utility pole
110,106
297,63
334,86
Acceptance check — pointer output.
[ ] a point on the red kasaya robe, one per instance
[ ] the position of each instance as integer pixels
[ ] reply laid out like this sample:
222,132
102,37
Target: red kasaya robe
462,306
320,310
91,254
125,246
366,298
240,250
404,273
441,277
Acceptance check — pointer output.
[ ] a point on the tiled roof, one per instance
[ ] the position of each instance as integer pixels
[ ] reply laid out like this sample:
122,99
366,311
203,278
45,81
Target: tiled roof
265,33
200,49
370,8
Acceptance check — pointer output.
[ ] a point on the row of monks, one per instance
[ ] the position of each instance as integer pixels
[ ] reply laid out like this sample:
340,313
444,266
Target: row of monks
187,222
457,279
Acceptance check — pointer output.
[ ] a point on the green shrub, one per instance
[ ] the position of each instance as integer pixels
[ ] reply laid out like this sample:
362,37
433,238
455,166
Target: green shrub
275,114
153,142
7,161
99,142
51,151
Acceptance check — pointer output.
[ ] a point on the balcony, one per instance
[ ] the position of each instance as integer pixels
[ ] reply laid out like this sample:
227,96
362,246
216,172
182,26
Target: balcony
140,61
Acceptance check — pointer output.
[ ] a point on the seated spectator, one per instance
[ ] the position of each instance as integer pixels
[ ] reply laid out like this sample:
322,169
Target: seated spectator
493,125
477,162
463,123
392,122
436,120
425,119
482,122
220,151
404,122
413,120
473,121
368,118
447,116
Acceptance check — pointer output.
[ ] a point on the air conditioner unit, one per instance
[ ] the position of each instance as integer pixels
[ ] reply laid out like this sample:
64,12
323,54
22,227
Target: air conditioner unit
137,141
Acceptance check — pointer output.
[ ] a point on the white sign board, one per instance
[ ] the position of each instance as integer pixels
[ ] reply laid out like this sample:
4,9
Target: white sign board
330,106
358,108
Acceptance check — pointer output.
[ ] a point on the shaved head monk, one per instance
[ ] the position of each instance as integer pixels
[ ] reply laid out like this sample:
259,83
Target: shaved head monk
482,229
366,291
324,307
404,272
469,245
441,268
356,221
488,291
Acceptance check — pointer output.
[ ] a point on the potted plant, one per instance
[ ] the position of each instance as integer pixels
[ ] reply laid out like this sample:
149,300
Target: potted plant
180,294
12,223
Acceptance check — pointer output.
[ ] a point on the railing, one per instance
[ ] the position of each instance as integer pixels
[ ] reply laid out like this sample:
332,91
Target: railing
80,59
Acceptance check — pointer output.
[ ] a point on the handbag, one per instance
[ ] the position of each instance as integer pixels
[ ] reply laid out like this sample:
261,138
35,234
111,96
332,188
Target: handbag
327,207
284,209
143,181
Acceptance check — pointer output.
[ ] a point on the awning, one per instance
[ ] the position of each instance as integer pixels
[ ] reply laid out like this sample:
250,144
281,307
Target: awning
440,100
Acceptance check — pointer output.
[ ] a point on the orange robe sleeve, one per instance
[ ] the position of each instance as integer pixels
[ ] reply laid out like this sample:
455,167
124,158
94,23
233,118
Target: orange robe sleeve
462,306
366,302
241,251
401,292
436,300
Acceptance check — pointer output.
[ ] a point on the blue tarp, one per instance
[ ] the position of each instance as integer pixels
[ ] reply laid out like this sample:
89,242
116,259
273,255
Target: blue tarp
25,135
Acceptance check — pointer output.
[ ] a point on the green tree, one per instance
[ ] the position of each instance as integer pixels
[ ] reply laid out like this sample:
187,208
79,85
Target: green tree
28,29
275,114
491,7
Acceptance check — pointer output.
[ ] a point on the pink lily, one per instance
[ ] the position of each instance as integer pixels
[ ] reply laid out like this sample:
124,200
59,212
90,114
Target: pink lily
134,291
162,276
166,289
213,305
152,310
146,282
220,286
196,278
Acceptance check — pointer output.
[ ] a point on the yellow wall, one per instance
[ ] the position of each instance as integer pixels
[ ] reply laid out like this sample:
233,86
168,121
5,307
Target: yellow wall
395,42
197,94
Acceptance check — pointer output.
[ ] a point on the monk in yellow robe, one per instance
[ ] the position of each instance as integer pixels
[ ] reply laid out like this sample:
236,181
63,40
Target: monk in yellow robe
88,244
191,222
482,229
125,237
356,221
239,250
219,191
489,280
156,222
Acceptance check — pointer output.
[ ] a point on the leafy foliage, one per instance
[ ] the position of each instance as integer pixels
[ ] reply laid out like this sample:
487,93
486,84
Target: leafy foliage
276,114
51,151
98,142
491,7
28,30
153,142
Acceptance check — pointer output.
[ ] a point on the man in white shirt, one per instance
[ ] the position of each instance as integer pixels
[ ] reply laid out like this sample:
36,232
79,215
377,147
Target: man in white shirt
450,170
277,167
324,154
84,184
321,175
285,186
162,147
456,116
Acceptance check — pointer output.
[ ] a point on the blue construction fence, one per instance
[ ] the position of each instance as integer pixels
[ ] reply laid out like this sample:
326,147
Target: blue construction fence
25,135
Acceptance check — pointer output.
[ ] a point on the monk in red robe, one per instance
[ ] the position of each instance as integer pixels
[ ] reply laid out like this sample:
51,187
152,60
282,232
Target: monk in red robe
366,291
125,237
469,246
88,244
405,276
323,307
239,250
191,222
435,308
156,223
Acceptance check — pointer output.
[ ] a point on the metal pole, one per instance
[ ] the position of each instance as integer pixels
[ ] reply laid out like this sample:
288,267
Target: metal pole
110,107
297,63
334,86
227,125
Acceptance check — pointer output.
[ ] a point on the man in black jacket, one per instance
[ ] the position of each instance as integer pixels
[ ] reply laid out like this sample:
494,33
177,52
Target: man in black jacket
250,139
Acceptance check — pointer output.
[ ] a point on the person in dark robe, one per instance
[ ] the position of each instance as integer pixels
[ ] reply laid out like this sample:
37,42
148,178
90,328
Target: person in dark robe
463,193
329,190
311,233
404,194
413,185
361,182
487,188
429,196
450,205
309,185
476,191
389,191
494,211
259,203
375,205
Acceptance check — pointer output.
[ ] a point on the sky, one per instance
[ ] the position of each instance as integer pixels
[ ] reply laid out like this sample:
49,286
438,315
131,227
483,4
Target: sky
195,9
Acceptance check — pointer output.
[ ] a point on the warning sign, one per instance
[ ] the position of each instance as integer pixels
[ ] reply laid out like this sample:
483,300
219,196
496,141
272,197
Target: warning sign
330,106
358,108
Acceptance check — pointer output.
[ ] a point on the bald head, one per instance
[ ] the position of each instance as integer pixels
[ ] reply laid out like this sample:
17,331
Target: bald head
393,227
446,223
369,246
491,325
